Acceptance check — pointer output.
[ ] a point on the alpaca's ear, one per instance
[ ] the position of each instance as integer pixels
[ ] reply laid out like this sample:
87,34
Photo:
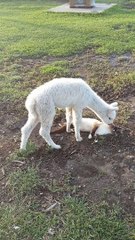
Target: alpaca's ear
114,106
111,110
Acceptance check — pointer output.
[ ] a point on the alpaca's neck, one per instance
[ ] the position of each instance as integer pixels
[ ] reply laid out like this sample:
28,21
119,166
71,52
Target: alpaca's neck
97,104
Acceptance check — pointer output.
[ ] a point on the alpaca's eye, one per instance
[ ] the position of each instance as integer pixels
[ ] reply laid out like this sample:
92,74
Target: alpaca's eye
110,118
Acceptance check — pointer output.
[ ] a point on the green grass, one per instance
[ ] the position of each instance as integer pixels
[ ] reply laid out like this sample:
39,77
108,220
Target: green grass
118,82
24,182
124,114
21,155
21,223
73,220
28,30
98,222
11,84
57,69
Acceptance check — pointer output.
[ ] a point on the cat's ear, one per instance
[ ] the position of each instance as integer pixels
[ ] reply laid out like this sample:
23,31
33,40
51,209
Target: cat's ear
114,106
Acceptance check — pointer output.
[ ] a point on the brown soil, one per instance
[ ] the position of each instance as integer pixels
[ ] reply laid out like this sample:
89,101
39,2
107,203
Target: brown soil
102,169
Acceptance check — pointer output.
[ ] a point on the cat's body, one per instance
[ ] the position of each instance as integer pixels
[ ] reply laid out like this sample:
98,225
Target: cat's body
69,93
93,126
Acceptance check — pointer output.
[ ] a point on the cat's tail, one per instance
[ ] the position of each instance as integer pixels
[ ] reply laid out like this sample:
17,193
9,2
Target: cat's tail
59,130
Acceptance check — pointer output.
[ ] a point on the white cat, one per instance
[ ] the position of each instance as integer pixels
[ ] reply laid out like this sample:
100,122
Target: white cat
69,93
91,125
95,127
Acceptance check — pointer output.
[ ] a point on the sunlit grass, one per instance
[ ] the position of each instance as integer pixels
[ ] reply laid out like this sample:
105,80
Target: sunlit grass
29,30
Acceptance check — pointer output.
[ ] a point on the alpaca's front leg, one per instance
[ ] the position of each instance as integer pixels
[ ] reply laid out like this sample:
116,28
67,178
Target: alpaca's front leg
68,119
77,117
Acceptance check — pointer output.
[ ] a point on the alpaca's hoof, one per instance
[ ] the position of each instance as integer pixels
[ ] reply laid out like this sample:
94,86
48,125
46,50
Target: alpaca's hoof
57,147
90,136
79,139
68,130
22,148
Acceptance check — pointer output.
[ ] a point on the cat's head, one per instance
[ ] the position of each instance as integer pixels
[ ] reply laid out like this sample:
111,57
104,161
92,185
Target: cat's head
112,112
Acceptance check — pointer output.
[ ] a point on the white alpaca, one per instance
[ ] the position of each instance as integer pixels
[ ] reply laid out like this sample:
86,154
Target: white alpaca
69,93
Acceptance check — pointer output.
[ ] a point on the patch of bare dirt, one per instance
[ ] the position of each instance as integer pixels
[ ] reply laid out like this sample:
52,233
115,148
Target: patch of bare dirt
99,170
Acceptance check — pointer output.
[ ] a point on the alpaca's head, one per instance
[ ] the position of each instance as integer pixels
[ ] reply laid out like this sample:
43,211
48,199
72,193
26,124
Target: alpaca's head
111,113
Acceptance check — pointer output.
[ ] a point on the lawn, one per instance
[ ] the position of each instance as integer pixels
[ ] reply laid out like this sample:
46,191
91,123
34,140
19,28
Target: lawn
86,190
29,30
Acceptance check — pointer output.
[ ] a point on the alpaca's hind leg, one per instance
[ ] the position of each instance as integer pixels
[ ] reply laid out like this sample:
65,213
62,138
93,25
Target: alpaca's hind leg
77,117
45,133
45,128
68,119
27,129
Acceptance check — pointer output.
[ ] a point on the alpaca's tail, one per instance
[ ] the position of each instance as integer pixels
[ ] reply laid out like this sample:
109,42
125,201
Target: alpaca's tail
30,105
